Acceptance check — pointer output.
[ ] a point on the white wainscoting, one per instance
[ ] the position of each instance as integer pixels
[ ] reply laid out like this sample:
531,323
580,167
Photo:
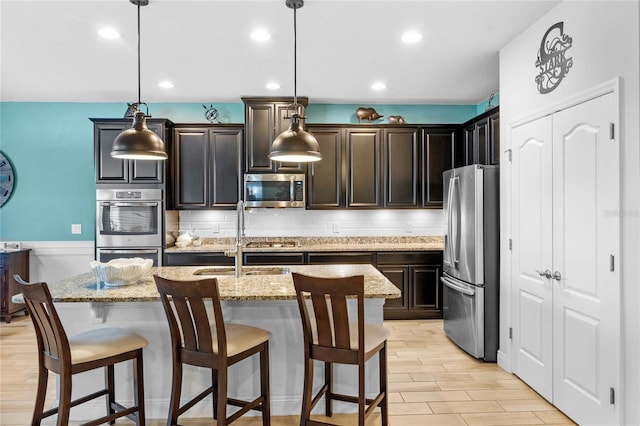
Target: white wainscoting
52,261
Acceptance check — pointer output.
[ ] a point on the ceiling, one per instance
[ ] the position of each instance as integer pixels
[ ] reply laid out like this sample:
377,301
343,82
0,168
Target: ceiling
50,50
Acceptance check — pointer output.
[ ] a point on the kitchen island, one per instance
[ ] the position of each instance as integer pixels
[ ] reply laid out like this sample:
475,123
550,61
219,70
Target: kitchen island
266,301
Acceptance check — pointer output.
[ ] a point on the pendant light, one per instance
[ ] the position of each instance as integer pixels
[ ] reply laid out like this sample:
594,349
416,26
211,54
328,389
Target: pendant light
139,143
295,145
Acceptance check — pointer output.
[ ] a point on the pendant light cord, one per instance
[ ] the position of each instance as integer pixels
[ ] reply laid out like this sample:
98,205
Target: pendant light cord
139,97
295,60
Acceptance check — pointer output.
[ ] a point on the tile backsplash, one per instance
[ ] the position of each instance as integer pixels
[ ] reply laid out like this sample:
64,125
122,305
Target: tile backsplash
313,223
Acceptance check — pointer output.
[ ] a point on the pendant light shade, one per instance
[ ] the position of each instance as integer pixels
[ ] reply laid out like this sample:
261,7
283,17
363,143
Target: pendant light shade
138,142
294,144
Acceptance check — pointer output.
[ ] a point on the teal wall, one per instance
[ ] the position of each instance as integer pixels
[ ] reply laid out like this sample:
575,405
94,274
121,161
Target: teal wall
50,145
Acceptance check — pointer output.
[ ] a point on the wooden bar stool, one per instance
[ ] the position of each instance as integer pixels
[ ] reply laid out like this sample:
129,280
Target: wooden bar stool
69,355
195,341
330,337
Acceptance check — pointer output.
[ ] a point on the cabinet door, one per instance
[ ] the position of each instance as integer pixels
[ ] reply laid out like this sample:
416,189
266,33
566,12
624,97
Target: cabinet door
481,142
114,170
225,167
191,148
325,180
109,169
363,170
146,171
399,276
469,142
494,139
401,167
439,148
260,122
426,289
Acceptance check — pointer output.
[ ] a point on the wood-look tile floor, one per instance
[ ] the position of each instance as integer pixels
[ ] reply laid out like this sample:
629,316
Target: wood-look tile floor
431,382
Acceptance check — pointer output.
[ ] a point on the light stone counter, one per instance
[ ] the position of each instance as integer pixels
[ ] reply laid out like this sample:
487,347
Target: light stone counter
320,244
85,287
265,301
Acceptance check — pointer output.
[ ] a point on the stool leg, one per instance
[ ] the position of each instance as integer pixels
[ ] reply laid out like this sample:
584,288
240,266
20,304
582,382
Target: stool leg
264,385
307,391
108,379
384,407
138,387
65,398
176,389
361,393
222,395
214,383
328,380
41,393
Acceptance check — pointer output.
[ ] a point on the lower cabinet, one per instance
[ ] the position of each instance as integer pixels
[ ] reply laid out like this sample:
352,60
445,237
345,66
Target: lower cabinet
12,263
417,275
197,259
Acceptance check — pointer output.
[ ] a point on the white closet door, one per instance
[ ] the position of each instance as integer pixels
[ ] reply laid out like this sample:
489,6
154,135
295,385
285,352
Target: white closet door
586,206
532,251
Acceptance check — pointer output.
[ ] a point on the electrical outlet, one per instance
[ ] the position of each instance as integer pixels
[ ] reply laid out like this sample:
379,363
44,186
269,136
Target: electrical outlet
76,228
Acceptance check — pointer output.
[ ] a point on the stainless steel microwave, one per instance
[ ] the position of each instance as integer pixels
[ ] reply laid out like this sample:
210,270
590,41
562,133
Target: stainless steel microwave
274,190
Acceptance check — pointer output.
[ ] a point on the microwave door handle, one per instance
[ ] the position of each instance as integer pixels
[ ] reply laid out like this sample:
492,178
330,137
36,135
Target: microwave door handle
107,251
152,204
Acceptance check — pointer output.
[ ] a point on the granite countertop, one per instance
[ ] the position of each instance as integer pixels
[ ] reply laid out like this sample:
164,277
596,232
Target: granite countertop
85,288
318,244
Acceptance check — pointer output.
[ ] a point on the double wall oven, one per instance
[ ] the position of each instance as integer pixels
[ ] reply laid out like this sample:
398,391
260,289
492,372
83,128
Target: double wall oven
129,224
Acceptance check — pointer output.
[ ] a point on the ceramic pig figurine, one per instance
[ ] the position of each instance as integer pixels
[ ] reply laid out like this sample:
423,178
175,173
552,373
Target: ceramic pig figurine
367,114
396,119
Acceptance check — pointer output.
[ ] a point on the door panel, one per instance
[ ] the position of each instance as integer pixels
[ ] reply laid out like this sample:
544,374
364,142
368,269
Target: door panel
587,297
532,237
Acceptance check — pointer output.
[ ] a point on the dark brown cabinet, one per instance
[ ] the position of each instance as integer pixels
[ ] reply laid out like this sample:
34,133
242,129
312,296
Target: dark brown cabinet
482,139
325,180
442,150
417,275
197,259
207,166
363,173
12,263
401,175
266,118
114,170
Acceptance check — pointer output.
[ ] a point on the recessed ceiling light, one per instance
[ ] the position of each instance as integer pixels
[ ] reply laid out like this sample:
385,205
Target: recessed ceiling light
260,35
411,37
273,86
378,86
166,84
108,33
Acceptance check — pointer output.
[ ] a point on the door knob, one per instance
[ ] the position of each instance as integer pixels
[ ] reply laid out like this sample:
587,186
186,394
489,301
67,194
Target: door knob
556,276
546,273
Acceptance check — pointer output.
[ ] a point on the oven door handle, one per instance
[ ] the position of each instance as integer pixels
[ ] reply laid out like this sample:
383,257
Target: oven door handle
118,204
147,251
452,285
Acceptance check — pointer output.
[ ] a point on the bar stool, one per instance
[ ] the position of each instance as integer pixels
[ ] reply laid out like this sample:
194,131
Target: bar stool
195,341
69,355
330,337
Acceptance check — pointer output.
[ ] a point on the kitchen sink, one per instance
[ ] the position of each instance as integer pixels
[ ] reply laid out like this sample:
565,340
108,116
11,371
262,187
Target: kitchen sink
230,270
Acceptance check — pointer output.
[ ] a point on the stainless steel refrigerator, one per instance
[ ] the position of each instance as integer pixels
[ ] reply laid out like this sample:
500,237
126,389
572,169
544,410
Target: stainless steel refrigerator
471,259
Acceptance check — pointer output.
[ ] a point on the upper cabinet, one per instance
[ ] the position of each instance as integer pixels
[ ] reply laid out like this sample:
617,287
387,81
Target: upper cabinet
401,162
115,170
207,166
265,119
363,174
442,150
482,138
325,180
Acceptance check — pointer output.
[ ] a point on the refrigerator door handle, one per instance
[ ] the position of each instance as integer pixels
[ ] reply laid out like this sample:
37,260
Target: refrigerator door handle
454,222
452,285
449,235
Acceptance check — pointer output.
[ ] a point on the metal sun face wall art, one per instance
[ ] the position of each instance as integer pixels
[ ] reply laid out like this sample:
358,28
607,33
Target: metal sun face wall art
552,60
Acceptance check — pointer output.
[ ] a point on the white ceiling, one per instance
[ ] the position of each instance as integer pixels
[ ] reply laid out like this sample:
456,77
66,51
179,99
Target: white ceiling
50,50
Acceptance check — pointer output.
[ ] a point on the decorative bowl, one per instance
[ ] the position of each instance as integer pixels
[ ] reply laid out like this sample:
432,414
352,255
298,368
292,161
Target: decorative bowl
119,272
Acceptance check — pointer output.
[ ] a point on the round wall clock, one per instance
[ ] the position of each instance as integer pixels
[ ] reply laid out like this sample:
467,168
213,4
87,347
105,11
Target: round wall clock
6,179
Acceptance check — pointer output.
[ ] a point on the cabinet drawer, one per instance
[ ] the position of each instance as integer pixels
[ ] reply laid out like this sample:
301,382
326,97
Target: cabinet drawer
410,258
197,259
351,257
274,258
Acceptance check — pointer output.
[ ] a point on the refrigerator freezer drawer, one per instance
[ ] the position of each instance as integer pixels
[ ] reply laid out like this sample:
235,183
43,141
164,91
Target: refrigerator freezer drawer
463,312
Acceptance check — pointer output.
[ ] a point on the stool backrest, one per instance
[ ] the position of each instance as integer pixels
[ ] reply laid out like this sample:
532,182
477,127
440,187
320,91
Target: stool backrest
189,325
325,322
50,335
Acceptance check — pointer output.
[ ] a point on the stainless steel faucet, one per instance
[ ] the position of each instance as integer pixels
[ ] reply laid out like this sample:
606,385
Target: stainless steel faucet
237,253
